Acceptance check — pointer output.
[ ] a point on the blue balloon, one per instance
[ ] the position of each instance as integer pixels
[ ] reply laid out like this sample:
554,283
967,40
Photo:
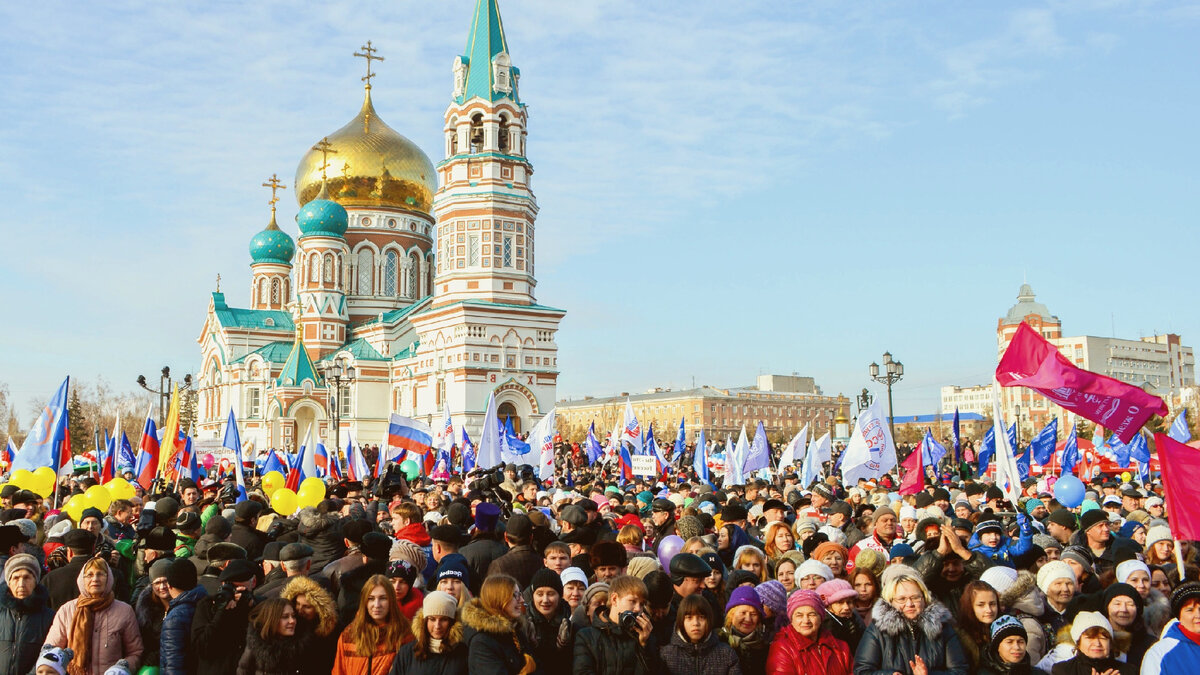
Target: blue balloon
1069,491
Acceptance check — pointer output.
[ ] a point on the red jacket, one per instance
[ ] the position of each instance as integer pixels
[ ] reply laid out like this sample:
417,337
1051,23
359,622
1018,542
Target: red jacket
793,654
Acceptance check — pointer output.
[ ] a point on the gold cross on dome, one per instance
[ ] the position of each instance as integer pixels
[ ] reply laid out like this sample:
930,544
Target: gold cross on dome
326,149
368,53
275,185
218,282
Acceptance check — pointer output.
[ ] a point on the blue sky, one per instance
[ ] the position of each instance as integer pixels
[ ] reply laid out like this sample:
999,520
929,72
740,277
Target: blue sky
725,188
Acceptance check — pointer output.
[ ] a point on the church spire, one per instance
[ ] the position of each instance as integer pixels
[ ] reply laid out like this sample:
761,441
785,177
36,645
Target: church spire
488,70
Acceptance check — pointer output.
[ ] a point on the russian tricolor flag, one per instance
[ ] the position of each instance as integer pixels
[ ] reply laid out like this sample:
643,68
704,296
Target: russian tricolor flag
148,449
409,435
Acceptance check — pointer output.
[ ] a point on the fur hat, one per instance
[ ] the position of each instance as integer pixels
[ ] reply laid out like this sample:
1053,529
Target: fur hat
403,549
688,527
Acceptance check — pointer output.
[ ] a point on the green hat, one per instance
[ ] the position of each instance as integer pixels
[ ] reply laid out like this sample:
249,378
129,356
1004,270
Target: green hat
645,496
612,489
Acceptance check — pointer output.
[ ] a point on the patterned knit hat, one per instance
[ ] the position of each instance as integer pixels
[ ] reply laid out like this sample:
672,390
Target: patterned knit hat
688,527
871,560
773,595
1006,626
805,598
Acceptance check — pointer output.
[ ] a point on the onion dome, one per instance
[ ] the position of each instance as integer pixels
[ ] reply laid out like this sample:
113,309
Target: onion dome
322,217
368,164
272,245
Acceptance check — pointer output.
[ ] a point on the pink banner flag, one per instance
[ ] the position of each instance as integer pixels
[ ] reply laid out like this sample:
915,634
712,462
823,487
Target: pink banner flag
1030,361
1180,461
914,473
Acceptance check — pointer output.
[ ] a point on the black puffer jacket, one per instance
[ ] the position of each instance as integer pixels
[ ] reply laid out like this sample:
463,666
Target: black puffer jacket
604,649
711,657
23,628
150,613
553,639
451,661
323,532
493,642
891,641
277,656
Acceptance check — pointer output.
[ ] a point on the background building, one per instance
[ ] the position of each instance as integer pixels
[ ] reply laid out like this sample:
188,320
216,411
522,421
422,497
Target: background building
784,404
911,428
976,399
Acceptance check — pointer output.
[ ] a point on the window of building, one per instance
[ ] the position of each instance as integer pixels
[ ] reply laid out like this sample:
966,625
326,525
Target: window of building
473,251
411,276
366,272
274,291
327,273
389,273
344,403
253,402
508,252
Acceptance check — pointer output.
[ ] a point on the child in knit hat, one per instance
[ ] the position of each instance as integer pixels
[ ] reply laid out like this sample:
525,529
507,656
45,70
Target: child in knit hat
53,661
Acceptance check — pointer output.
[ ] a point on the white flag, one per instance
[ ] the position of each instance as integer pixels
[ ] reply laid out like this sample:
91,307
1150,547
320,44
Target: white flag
820,451
631,433
445,434
871,452
795,449
734,473
488,452
1008,477
541,440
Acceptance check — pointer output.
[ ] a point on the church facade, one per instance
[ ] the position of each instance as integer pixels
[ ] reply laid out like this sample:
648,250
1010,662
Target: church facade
417,278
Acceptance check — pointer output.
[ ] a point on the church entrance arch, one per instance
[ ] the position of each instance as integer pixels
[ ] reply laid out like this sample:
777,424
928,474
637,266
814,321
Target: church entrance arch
515,401
308,415
507,410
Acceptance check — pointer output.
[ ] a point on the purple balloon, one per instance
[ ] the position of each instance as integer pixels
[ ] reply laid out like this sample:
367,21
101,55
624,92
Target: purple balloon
667,548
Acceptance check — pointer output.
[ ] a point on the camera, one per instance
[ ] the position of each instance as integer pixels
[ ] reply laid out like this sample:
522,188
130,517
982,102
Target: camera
224,594
628,620
490,481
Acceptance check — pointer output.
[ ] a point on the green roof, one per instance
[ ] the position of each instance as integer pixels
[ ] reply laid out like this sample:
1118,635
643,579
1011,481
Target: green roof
361,350
298,368
483,44
489,303
273,352
266,319
397,314
407,351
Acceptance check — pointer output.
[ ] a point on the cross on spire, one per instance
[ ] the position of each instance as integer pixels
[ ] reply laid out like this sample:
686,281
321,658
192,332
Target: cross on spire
326,149
368,53
275,185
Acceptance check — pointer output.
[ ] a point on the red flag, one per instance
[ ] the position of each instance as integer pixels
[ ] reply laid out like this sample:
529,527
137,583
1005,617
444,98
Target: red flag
1031,361
1180,461
914,474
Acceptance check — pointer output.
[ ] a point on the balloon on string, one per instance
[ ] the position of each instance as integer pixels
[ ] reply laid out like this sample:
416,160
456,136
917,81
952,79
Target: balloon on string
42,482
1126,476
272,481
1069,491
208,460
284,501
312,488
119,488
99,497
410,469
670,545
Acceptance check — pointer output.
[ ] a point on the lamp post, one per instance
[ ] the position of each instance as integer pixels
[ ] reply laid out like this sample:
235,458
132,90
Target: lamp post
164,390
1017,409
893,373
864,400
337,373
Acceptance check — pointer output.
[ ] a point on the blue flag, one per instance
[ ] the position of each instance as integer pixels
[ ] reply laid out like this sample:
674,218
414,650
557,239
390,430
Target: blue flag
125,457
1044,443
515,445
679,442
591,446
1139,450
957,441
1070,455
468,452
1119,450
274,463
759,455
1179,430
1023,463
1012,436
47,437
932,452
700,461
233,442
988,450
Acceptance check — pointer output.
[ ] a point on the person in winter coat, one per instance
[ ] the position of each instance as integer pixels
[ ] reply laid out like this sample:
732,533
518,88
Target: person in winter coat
694,648
98,628
494,645
174,655
25,614
272,647
909,633
946,564
244,533
549,622
1156,608
404,576
437,647
521,561
150,607
1179,649
978,608
1021,598
316,623
840,618
607,648
486,544
374,548
745,631
1122,606
370,643
220,625
1006,652
802,647
323,532
1092,635
990,540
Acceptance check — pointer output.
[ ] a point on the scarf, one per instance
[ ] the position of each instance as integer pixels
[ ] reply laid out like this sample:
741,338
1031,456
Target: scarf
80,640
435,646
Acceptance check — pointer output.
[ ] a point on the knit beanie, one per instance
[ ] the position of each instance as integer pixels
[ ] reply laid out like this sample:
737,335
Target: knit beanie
1047,542
805,598
836,591
440,603
594,590
1051,572
158,568
1129,567
1126,590
402,549
57,659
1006,626
181,574
641,565
688,527
1000,578
1086,620
871,560
1156,534
121,667
23,561
772,594
826,548
744,595
546,578
812,566
1182,595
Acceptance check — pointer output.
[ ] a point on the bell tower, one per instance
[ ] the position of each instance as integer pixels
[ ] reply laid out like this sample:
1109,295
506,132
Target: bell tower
485,207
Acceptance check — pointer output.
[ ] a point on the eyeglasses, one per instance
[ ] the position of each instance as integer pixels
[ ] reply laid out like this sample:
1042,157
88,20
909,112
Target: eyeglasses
904,602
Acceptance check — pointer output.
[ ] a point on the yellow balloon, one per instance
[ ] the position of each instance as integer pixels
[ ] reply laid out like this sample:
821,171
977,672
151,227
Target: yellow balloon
272,481
1125,477
99,497
284,501
119,488
74,507
44,480
312,486
22,478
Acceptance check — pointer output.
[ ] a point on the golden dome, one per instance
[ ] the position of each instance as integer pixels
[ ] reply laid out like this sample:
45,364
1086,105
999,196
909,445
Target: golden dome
369,165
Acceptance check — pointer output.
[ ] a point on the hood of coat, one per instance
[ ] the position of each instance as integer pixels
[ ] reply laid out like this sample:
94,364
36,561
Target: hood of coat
698,649
452,639
316,596
147,608
108,585
1024,596
891,622
190,597
313,522
475,616
38,599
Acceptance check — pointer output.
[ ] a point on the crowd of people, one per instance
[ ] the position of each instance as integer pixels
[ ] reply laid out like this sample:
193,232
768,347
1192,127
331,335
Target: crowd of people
498,572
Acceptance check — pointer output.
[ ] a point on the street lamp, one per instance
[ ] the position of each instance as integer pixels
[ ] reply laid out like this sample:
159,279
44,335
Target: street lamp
893,373
864,400
1017,409
164,390
337,373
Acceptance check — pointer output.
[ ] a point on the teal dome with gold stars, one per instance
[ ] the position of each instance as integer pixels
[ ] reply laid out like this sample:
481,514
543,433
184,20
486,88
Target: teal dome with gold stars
322,217
272,245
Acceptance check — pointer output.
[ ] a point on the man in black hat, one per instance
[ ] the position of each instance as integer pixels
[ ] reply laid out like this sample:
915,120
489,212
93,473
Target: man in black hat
296,560
219,557
188,528
174,654
1061,525
841,516
11,539
662,521
580,543
1106,548
521,561
219,627
352,532
486,544
62,582
245,532
373,549
157,544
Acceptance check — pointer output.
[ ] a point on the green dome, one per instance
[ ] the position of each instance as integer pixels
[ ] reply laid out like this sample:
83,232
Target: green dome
322,217
272,245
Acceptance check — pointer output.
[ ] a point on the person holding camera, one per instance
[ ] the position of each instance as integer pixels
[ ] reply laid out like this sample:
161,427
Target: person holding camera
619,641
219,626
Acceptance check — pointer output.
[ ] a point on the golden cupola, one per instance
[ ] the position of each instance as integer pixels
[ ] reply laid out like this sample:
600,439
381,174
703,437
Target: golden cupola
369,165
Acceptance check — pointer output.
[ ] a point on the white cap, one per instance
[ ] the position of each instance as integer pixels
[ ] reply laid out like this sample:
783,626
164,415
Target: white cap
908,511
810,567
1086,620
1129,567
999,577
1154,501
573,574
1053,571
1158,533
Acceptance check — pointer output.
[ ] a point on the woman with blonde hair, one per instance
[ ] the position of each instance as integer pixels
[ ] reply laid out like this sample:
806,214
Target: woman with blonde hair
494,645
98,628
909,633
753,560
369,644
632,538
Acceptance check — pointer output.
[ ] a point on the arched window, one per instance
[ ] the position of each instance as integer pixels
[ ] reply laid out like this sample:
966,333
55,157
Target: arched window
328,275
275,291
341,265
314,268
366,272
414,263
390,265
476,137
262,291
503,133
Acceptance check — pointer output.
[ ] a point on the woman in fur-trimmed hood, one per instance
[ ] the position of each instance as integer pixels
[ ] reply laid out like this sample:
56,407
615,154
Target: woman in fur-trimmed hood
909,633
316,627
428,654
490,630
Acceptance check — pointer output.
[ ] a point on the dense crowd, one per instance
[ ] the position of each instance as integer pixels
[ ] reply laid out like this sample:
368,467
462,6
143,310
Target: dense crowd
497,572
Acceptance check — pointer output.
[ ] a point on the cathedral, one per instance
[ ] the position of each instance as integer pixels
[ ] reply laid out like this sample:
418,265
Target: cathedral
409,287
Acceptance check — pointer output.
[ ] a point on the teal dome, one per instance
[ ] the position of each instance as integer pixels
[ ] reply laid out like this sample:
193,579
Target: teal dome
272,245
322,217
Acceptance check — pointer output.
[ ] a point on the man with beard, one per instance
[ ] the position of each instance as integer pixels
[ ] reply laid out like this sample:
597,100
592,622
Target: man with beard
219,627
947,565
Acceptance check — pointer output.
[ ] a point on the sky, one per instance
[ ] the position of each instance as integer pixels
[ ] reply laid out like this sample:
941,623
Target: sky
725,189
